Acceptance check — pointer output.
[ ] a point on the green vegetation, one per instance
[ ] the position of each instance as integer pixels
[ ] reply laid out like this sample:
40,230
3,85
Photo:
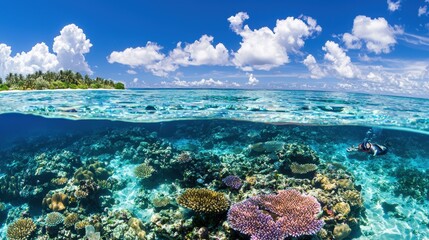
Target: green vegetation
56,80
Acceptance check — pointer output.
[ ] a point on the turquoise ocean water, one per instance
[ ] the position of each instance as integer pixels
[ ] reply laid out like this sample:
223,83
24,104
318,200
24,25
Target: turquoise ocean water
119,164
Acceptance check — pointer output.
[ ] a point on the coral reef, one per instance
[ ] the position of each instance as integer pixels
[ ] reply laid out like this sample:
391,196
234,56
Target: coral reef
21,229
203,200
412,182
56,202
232,181
70,220
342,231
54,219
288,213
302,168
143,171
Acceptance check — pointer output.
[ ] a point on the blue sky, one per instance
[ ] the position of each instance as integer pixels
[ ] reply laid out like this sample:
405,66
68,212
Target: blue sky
368,46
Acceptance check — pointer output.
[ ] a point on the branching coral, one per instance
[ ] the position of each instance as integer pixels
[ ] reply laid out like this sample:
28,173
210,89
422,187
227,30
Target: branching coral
21,229
143,171
203,200
289,213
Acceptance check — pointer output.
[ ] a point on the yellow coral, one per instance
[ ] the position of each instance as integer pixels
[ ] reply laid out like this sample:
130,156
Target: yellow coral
56,202
345,183
21,229
342,208
160,201
71,220
341,231
137,226
59,181
143,171
203,200
302,168
353,197
251,180
81,225
326,183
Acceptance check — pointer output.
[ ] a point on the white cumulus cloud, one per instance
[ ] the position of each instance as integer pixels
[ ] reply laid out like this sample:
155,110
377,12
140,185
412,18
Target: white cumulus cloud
264,49
393,6
139,56
315,71
422,11
200,52
252,80
375,34
200,83
340,62
70,47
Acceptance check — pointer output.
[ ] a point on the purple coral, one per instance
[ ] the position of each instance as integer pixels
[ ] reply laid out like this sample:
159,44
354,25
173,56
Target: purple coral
247,218
232,181
289,213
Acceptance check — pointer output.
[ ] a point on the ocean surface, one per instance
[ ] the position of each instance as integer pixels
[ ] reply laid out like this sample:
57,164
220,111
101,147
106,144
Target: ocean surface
212,164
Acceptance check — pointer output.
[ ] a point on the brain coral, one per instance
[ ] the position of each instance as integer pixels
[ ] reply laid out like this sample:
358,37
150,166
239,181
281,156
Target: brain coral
289,213
21,229
203,200
143,171
54,219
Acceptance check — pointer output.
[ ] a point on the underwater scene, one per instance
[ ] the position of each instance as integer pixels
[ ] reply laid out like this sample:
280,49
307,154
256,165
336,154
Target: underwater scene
213,164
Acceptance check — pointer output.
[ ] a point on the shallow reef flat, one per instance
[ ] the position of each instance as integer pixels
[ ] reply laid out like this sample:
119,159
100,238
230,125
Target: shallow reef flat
208,179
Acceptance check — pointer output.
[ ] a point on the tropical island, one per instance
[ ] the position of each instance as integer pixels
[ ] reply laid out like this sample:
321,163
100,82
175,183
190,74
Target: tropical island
63,79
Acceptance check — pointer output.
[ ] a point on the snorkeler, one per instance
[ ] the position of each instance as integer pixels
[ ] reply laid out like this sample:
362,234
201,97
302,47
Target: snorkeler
371,148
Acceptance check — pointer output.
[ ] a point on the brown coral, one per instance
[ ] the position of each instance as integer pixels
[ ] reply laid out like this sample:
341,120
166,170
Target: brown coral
353,197
21,229
302,168
342,209
143,171
56,202
326,183
71,220
341,231
203,200
184,157
59,181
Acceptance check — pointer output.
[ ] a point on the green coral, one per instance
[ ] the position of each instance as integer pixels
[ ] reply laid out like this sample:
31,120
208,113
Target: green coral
203,200
21,229
143,171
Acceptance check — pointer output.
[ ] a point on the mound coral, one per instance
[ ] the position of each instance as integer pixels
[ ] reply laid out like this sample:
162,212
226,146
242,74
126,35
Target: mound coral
21,229
289,213
184,157
300,153
203,200
342,231
56,202
302,168
232,181
353,197
54,219
143,171
71,220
